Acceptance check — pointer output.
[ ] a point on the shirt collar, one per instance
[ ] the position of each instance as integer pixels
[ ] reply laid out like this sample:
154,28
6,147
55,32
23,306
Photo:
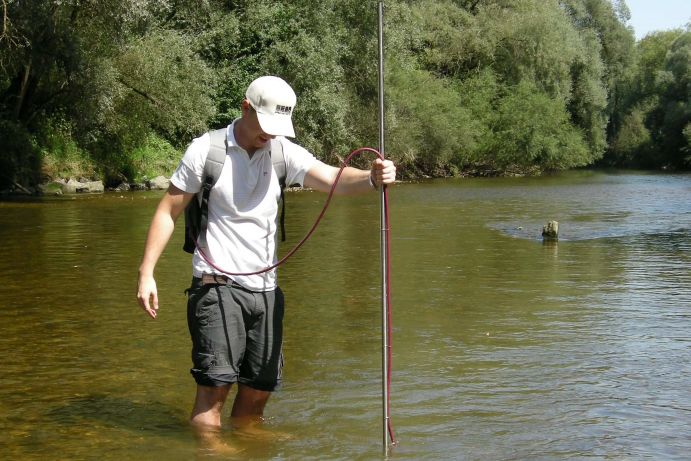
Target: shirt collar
230,134
230,137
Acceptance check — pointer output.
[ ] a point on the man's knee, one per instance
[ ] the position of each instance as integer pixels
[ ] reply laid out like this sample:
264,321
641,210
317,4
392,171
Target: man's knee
208,405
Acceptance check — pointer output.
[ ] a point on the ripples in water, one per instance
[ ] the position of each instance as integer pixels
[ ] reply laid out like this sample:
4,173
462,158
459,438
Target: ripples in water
503,348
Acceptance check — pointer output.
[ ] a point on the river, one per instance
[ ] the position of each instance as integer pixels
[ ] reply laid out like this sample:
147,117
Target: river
504,347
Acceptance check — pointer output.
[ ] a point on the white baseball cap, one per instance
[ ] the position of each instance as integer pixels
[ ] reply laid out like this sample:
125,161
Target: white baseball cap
273,100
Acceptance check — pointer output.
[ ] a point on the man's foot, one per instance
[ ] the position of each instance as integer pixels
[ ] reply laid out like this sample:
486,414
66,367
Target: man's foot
219,447
210,442
250,428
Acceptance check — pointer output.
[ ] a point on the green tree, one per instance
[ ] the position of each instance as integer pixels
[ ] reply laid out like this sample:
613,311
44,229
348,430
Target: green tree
632,144
161,85
657,97
432,132
523,42
103,73
533,128
674,111
48,58
111,82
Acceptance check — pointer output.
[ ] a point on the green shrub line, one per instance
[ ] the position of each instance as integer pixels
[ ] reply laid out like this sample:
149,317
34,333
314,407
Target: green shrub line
114,90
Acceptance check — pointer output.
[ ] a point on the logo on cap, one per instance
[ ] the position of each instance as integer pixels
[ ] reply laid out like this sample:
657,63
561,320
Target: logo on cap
283,110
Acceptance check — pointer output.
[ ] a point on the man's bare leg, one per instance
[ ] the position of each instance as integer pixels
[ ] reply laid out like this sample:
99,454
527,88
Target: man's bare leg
248,409
249,402
206,417
247,413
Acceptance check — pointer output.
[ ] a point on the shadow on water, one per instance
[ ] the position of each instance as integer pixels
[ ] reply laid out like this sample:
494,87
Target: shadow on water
136,422
111,411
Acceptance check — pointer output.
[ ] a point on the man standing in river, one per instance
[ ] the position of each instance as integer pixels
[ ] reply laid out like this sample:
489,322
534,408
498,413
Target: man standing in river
236,322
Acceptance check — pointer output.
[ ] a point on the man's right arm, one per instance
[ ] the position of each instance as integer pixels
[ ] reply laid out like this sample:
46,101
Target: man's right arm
162,225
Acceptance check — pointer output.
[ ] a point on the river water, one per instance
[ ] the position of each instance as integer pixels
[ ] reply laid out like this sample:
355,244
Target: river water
504,348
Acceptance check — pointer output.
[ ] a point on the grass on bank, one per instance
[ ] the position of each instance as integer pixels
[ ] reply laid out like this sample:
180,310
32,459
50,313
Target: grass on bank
62,158
154,158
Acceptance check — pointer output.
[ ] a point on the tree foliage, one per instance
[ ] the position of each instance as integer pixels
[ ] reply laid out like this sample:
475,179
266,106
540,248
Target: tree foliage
657,109
498,84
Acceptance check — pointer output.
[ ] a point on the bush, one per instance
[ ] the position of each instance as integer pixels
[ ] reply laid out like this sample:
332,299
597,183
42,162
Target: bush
155,157
431,130
632,141
61,157
533,129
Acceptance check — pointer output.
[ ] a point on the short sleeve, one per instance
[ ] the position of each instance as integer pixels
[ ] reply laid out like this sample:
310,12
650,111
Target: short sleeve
298,162
188,175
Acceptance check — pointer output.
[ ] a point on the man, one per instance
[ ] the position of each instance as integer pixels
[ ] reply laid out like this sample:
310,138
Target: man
236,321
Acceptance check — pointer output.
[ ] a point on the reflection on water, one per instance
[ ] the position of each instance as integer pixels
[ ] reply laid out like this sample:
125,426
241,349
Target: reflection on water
504,347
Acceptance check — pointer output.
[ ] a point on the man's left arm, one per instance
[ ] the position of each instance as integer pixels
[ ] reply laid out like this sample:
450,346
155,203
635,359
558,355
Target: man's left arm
353,180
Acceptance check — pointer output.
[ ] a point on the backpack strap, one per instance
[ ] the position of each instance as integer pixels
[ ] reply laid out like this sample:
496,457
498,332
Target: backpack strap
212,171
278,160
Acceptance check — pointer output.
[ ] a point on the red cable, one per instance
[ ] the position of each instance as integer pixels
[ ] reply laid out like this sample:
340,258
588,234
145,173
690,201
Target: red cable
387,231
314,226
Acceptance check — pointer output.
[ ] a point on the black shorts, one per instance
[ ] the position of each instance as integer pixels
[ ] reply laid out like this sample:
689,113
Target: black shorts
236,335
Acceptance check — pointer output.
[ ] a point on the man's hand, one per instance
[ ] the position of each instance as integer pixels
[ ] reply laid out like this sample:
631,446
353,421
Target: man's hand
353,180
382,172
147,295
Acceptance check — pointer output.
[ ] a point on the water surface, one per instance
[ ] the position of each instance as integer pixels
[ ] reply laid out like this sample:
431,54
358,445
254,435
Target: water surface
503,348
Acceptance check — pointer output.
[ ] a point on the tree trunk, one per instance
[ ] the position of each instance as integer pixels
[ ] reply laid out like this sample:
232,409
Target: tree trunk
22,91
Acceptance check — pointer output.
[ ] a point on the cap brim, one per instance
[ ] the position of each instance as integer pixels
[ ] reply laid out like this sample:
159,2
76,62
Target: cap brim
276,125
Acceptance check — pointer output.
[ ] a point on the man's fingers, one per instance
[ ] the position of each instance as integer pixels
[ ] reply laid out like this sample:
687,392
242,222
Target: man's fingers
148,300
143,300
384,171
151,308
154,297
151,304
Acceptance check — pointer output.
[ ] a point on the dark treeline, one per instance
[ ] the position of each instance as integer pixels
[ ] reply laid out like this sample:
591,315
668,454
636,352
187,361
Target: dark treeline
115,89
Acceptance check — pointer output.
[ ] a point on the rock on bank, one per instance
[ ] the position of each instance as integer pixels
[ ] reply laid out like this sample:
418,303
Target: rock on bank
84,186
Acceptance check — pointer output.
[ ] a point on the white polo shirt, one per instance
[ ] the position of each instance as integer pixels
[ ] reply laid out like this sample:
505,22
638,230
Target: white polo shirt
243,207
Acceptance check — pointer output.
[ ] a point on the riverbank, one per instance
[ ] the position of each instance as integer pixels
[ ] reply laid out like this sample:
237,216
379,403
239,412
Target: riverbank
83,186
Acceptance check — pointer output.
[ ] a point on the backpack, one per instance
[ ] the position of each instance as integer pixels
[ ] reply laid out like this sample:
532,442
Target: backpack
197,211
